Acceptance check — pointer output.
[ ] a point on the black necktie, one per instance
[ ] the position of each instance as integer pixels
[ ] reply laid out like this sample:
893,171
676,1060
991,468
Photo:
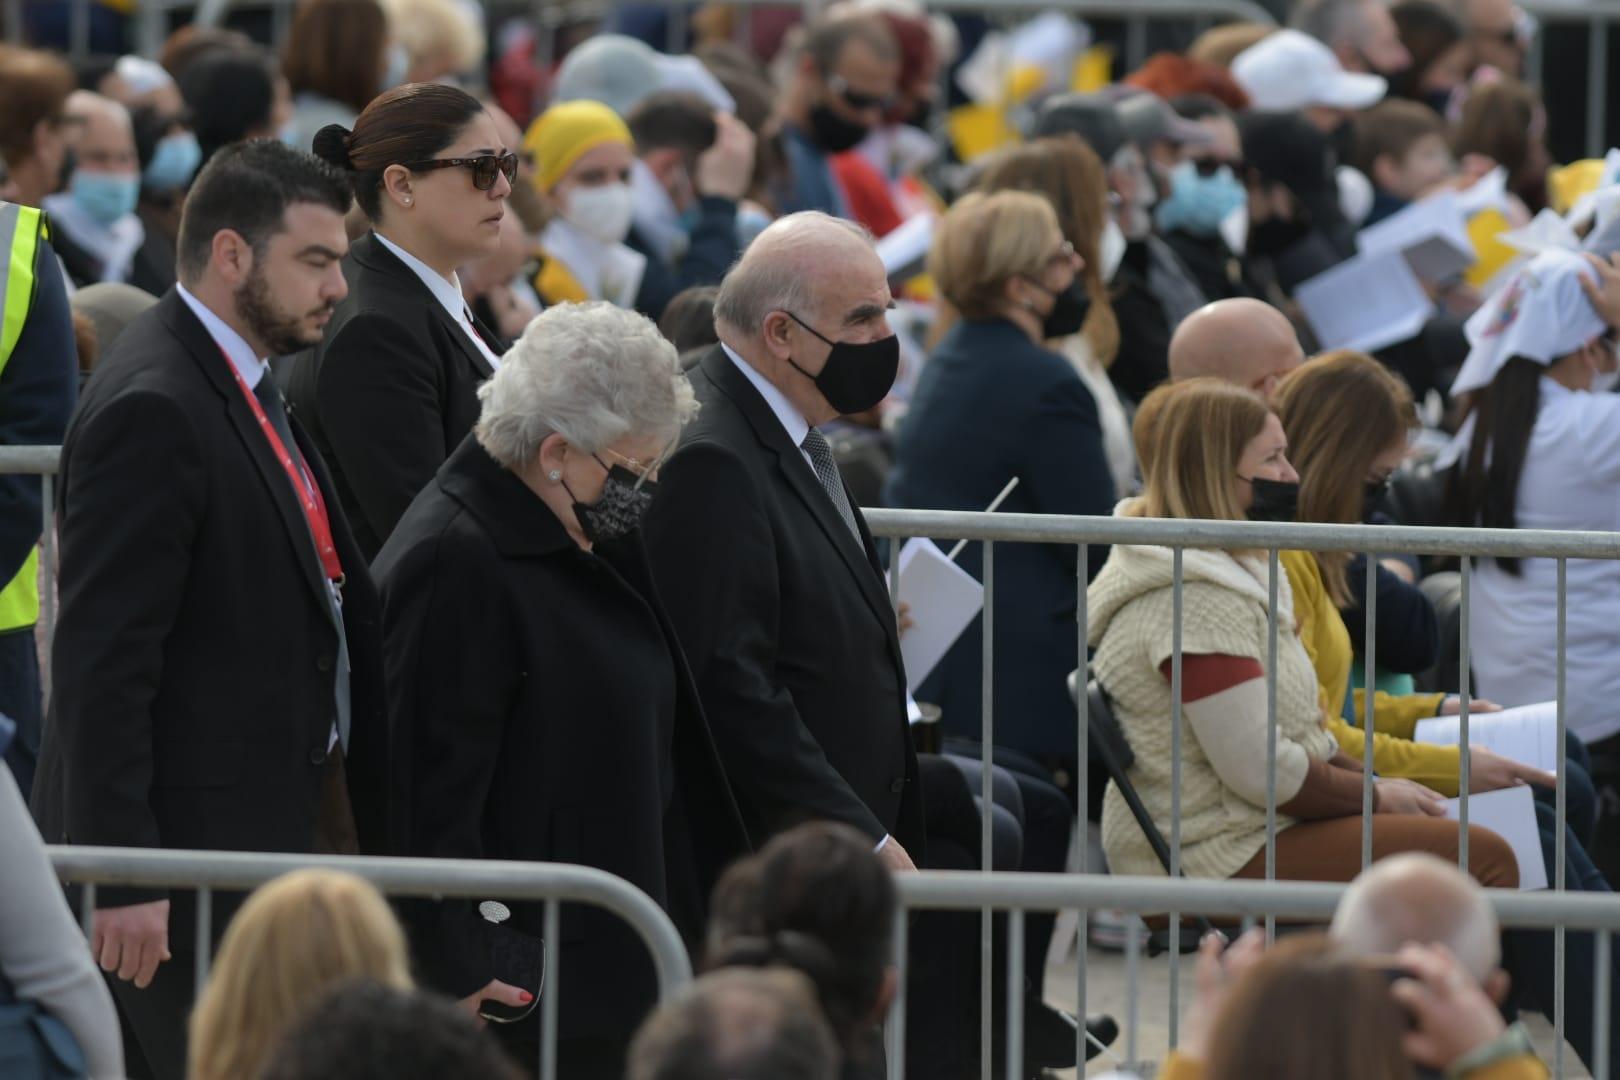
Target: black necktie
826,469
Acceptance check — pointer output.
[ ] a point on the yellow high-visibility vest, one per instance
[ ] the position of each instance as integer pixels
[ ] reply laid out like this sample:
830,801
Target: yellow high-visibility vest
21,230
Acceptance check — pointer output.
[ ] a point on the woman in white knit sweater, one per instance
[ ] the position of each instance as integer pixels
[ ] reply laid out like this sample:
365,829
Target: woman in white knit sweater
1218,453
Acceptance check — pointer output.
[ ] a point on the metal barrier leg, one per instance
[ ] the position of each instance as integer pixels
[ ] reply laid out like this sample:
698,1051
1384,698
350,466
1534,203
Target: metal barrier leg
1082,781
1558,931
896,1027
1176,582
1015,994
205,933
987,796
1600,1010
1465,693
1369,723
1271,733
548,995
87,911
47,595
1135,931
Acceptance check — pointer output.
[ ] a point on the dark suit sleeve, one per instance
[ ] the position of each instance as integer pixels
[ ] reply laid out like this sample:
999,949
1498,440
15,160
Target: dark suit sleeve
715,561
135,495
451,668
1066,469
714,244
380,402
37,391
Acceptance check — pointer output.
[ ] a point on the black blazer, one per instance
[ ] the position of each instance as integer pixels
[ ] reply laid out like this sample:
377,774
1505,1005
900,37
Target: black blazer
992,405
194,655
390,391
544,712
786,622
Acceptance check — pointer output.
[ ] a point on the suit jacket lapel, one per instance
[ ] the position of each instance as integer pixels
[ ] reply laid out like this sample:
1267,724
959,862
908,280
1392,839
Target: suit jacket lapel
208,355
719,369
374,255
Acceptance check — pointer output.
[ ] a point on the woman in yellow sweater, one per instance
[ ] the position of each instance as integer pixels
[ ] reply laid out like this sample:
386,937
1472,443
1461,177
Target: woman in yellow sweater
1347,418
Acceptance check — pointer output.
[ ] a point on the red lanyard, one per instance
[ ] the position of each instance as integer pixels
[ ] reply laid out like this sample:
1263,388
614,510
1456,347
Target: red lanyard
320,527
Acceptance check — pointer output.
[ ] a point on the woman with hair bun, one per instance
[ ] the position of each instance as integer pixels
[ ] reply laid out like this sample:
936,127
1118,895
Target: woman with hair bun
393,387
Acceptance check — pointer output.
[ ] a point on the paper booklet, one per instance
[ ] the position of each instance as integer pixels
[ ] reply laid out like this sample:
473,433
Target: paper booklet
1511,814
1528,734
944,599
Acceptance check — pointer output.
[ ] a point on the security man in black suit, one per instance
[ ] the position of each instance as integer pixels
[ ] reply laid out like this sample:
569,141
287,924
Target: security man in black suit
765,562
217,663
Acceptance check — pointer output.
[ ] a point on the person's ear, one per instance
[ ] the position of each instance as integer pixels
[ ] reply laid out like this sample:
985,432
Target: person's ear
777,330
397,186
1496,986
887,989
552,458
1386,172
232,257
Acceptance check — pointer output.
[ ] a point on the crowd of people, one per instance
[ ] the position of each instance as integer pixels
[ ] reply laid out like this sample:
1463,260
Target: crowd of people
464,455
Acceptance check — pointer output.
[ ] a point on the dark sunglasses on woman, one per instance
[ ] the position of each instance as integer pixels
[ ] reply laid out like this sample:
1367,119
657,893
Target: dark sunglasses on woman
484,168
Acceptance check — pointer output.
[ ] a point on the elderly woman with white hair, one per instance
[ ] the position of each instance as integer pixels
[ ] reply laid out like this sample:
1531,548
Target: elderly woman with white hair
543,710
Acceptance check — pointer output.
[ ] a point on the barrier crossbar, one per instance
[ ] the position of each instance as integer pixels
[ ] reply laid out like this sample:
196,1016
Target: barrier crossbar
551,883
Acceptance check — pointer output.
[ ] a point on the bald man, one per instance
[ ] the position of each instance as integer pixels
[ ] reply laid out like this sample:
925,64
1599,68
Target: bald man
93,222
1244,341
764,560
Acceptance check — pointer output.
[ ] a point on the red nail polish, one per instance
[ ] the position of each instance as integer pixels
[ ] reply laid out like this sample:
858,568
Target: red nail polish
527,997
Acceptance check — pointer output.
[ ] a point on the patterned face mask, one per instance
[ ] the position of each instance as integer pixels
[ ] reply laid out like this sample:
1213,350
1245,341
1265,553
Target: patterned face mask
618,511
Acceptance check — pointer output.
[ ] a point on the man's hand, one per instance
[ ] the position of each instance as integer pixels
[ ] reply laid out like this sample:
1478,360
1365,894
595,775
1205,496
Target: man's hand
505,993
1219,967
903,617
1408,797
1488,771
726,169
1605,295
895,857
1451,1015
131,941
1452,706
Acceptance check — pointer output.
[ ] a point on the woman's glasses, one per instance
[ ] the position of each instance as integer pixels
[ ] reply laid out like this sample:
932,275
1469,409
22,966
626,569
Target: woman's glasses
484,168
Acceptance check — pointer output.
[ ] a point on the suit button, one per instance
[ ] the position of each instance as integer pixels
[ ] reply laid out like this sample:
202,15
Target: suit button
317,756
898,786
324,663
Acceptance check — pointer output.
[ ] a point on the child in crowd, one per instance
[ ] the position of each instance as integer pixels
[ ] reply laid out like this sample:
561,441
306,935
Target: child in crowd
1401,147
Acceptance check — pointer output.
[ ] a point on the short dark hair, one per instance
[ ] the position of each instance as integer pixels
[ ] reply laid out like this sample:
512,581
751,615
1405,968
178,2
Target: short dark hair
338,49
741,1025
231,93
818,900
363,1031
673,120
828,36
248,187
409,123
688,319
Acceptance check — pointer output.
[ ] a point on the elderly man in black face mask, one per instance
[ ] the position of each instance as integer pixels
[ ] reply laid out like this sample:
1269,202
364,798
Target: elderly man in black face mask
844,80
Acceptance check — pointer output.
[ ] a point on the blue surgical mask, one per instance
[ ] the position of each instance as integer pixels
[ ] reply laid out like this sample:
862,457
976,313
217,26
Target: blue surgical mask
106,197
1197,203
750,223
398,66
173,163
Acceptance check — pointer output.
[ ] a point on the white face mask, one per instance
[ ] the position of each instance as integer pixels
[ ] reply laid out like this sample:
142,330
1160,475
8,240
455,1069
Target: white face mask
602,212
1110,248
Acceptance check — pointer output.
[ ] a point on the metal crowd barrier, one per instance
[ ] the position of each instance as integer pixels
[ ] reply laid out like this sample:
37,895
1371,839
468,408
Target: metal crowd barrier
1599,16
1375,540
553,883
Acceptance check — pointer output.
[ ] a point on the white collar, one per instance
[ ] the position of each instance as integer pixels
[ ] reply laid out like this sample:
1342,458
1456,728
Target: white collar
447,293
610,272
248,364
114,245
791,419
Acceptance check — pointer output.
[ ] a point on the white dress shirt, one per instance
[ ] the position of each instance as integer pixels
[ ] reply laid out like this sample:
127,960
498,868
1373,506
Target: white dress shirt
447,293
791,419
1571,480
248,364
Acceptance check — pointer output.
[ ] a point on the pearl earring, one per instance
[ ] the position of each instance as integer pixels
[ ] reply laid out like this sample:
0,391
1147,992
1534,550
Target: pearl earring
554,476
407,200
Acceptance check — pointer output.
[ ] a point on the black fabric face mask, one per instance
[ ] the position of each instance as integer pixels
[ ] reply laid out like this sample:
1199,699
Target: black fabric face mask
1274,500
832,132
856,376
1069,310
1372,499
618,511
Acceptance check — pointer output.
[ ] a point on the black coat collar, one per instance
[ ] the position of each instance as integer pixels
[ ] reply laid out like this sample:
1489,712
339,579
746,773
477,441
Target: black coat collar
517,521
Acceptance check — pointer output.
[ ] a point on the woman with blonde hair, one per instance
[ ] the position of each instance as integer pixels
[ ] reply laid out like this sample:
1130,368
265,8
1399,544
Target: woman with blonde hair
293,938
1220,454
1072,178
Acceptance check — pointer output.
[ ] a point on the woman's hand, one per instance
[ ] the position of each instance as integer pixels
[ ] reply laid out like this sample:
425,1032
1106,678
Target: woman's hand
504,993
1450,1014
1489,771
1452,706
1407,797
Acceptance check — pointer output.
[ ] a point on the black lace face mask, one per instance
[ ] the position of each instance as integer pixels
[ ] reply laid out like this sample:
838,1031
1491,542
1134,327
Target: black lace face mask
618,511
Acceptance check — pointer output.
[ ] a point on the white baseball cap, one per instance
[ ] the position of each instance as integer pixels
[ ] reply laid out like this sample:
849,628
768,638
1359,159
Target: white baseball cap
1289,70
1542,313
